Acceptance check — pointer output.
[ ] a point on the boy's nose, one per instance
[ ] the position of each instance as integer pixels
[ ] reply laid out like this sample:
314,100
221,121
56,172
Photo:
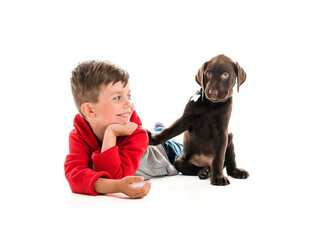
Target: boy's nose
128,103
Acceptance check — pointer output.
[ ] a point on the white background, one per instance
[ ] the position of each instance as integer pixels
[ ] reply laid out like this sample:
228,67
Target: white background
283,118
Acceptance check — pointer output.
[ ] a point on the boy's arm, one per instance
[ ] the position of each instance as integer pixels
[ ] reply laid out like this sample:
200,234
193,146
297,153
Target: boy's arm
77,168
82,179
123,159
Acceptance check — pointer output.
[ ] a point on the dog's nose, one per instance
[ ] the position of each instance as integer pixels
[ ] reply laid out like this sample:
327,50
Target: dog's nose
213,93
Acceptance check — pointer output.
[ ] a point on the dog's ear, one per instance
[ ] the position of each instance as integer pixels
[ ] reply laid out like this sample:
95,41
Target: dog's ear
241,75
200,74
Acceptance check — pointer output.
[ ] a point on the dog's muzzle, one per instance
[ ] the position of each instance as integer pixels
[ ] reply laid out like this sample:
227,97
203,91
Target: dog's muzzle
215,96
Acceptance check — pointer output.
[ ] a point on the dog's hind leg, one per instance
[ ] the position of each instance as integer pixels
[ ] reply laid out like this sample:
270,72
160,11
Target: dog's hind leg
183,165
230,161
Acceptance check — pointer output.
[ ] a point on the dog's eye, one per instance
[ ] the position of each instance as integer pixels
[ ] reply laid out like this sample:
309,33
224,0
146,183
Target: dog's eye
225,75
208,74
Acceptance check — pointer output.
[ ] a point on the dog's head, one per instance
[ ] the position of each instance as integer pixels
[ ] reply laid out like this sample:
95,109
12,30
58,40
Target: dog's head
217,78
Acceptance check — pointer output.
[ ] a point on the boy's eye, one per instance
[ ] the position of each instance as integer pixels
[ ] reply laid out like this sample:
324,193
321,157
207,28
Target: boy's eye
129,96
117,98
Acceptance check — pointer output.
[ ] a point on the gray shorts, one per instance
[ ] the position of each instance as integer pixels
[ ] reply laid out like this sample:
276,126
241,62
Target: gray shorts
155,163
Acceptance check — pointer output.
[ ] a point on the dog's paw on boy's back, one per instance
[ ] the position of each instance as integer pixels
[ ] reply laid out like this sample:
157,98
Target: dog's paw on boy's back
151,138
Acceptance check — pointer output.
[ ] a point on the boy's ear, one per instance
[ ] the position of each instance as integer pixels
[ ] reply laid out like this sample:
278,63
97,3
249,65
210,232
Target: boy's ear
87,110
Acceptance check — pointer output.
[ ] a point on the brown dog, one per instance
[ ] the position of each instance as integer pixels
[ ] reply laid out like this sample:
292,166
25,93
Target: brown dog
207,145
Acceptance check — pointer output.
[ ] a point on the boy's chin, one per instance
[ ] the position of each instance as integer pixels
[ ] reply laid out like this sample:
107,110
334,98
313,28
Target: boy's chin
123,121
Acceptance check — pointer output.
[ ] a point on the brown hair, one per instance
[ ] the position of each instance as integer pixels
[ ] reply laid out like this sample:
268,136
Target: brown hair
88,77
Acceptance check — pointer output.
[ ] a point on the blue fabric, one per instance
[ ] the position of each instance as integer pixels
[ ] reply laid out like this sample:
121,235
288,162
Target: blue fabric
173,149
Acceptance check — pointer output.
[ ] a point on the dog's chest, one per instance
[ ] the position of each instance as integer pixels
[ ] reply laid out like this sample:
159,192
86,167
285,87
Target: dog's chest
207,127
201,160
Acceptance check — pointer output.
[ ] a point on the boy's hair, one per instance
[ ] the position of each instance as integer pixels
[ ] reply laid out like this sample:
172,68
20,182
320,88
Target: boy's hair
88,78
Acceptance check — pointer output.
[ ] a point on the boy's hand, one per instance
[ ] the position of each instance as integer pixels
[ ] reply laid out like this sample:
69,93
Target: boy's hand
126,186
115,130
122,129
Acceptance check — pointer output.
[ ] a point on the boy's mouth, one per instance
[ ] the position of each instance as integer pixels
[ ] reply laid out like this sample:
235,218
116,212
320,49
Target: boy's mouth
124,115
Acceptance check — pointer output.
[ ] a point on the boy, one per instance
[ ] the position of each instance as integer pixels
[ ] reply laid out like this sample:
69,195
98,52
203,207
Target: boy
108,141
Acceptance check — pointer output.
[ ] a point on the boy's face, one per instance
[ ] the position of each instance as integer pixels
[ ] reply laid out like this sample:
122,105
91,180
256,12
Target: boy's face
114,104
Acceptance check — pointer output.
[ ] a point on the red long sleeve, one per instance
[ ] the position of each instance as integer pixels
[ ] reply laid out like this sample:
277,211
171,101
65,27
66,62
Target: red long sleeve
85,164
125,156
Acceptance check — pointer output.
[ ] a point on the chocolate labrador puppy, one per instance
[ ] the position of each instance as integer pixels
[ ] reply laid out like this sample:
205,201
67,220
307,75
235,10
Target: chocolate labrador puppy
207,145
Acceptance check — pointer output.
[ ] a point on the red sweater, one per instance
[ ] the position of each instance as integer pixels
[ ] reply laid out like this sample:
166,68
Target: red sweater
85,163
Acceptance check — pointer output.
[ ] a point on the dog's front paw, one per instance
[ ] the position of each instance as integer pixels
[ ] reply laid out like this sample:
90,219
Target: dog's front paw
219,181
204,173
151,138
239,173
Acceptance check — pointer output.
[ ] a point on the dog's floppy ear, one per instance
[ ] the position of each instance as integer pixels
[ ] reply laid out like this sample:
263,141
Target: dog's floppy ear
200,74
241,75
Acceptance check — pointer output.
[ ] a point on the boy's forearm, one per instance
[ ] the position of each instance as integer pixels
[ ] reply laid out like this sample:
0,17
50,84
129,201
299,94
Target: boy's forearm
110,140
104,185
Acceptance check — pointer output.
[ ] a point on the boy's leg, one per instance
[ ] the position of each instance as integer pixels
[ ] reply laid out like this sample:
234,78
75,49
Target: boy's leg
172,148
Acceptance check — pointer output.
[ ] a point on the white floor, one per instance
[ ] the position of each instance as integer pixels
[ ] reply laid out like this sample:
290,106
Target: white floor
265,206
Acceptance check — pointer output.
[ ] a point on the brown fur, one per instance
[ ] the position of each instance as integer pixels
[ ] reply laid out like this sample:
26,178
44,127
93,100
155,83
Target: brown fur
207,146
